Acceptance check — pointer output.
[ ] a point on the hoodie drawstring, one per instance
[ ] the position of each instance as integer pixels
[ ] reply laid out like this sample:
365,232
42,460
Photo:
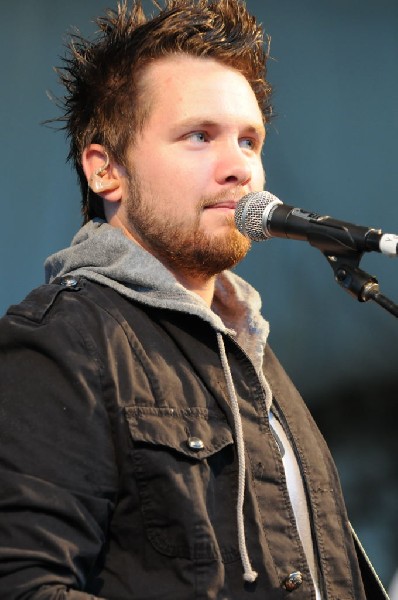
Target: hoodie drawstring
248,573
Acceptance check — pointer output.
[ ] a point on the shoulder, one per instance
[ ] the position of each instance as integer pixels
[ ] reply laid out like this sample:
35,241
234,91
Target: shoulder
70,308
40,301
71,312
74,297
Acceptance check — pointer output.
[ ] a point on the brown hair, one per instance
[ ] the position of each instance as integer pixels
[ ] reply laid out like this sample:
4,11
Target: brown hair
104,103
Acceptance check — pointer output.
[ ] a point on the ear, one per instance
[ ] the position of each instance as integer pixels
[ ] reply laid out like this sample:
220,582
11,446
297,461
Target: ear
104,177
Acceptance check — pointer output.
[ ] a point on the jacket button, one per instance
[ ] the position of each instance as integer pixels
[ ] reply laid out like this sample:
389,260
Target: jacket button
69,282
293,581
195,443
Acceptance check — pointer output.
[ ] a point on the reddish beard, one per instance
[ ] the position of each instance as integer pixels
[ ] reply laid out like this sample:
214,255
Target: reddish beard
182,246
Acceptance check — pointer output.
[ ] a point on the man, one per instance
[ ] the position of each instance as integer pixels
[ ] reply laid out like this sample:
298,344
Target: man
152,446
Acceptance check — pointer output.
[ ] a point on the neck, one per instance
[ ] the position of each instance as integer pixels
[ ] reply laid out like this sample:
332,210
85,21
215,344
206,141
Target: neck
203,287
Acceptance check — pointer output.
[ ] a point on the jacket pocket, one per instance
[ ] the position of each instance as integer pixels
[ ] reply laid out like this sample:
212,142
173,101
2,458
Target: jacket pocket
184,464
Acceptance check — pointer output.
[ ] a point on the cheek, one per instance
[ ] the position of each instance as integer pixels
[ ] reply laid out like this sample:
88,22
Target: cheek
170,169
186,177
258,177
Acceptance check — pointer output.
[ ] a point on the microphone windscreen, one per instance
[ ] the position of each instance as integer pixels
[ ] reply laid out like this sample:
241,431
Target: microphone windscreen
249,214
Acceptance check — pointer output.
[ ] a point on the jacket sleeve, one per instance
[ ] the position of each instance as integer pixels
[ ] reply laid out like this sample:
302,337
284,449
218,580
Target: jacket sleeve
57,466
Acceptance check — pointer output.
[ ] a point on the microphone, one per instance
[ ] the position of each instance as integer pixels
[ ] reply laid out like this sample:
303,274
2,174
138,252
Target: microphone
261,215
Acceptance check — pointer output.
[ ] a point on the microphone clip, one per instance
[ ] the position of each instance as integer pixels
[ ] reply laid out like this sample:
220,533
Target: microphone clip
357,282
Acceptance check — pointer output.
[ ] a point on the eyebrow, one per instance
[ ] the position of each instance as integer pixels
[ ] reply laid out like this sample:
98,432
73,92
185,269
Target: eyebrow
198,123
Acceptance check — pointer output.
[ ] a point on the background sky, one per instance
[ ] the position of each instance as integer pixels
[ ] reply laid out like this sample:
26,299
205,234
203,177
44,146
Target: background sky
331,148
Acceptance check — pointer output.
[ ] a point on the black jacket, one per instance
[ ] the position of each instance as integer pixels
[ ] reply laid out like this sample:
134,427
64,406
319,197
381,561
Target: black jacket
105,491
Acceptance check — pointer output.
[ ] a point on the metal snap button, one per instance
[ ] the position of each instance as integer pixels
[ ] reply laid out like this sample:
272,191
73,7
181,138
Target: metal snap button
69,282
293,581
195,443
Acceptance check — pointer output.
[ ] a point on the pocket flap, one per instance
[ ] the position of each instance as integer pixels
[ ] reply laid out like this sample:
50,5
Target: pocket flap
196,432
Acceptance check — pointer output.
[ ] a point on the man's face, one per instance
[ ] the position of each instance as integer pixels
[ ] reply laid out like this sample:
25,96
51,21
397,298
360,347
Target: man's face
198,154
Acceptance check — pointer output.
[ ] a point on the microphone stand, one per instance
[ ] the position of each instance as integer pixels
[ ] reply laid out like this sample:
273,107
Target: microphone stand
356,282
341,251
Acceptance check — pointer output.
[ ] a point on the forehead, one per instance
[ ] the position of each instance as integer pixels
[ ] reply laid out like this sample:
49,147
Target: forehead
181,86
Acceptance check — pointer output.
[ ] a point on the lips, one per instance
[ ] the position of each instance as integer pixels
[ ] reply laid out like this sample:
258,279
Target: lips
226,204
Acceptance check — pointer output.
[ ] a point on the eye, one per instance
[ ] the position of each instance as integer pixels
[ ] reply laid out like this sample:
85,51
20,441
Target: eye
248,143
198,137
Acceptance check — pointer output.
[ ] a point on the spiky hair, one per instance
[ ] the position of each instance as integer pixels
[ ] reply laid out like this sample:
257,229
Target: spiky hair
104,101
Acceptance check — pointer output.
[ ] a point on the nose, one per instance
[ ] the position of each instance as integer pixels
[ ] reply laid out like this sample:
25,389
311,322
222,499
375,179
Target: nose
233,165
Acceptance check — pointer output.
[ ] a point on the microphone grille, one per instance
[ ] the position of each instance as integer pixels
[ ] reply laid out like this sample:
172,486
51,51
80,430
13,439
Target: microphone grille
249,214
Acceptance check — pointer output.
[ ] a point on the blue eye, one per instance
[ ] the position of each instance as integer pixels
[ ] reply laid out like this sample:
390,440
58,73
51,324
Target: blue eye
247,143
198,136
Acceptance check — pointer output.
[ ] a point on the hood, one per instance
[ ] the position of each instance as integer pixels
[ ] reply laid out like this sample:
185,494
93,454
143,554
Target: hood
102,253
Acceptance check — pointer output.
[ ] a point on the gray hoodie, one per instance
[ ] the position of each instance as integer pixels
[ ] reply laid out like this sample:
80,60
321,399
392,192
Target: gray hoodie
102,253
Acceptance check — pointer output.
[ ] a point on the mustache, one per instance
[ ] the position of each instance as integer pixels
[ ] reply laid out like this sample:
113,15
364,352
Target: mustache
234,195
